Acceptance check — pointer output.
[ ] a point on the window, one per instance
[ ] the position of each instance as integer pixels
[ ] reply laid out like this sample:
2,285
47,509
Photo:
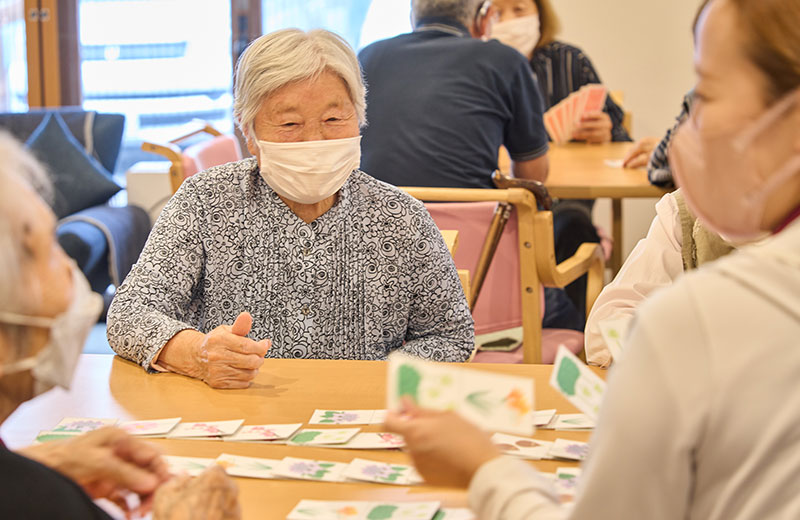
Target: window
13,62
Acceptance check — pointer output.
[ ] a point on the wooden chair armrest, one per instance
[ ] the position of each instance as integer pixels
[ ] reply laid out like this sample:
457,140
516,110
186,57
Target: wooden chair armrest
537,188
588,257
175,157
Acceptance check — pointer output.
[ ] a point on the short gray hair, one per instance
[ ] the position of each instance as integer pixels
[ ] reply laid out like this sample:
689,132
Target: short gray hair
461,10
282,57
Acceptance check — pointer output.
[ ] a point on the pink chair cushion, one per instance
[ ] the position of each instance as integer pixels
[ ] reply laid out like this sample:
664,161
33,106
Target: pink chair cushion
213,152
551,339
189,166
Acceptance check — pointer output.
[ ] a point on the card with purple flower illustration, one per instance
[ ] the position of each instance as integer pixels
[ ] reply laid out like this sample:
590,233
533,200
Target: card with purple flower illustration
343,417
306,469
152,428
374,441
566,449
522,446
82,424
382,472
252,467
189,465
312,437
209,429
263,432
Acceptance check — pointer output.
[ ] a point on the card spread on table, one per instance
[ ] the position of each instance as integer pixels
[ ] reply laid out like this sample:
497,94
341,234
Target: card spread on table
563,119
205,429
358,510
522,446
150,428
454,513
382,472
374,441
348,417
492,401
252,467
326,437
82,424
543,417
566,449
582,387
306,469
566,481
263,432
50,435
571,421
190,465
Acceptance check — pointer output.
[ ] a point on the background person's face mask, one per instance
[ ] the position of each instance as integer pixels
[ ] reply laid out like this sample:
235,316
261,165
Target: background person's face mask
309,171
55,364
720,177
521,33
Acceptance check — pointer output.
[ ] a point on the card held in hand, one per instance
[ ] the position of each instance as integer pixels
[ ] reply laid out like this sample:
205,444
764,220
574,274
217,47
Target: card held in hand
575,381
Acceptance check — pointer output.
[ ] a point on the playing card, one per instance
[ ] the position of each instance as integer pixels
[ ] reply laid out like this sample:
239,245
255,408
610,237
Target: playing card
595,98
205,429
345,417
190,465
382,472
565,449
50,435
522,446
374,441
263,432
306,469
564,125
543,417
253,467
550,124
571,421
492,401
82,424
566,481
311,437
150,428
614,163
379,417
358,510
582,387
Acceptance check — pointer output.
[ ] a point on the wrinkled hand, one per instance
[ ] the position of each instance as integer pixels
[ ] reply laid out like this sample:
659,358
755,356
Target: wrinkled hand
210,496
446,449
228,359
639,155
594,128
107,463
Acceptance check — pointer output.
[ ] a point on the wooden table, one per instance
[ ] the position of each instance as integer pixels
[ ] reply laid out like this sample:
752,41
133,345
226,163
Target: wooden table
579,171
285,391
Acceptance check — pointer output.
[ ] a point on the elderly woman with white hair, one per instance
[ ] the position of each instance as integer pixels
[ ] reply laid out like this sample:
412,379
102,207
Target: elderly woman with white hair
46,312
295,248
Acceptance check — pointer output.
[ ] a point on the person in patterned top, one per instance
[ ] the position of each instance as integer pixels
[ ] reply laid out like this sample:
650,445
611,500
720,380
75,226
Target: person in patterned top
294,252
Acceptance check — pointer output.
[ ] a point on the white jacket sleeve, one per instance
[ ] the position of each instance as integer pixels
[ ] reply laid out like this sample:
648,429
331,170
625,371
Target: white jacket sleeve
655,262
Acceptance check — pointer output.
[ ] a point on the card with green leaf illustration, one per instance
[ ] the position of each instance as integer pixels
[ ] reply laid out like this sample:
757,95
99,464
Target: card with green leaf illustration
251,467
189,465
575,381
614,331
150,428
263,432
571,421
381,472
205,430
523,447
374,441
358,510
566,481
567,449
492,401
82,424
344,417
454,513
50,436
313,437
307,469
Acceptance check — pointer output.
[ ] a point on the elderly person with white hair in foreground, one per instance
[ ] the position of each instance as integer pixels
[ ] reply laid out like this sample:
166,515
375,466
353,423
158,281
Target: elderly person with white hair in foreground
46,312
294,253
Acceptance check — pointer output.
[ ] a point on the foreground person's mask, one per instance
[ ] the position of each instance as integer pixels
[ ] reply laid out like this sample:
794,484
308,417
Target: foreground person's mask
309,171
521,33
55,364
720,177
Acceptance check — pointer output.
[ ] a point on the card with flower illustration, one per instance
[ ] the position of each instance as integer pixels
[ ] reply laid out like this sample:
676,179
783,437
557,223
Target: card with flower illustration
454,513
522,446
571,421
381,472
494,402
345,417
307,469
575,381
251,467
374,441
358,510
189,465
263,432
50,436
312,437
150,428
82,424
566,481
208,429
566,449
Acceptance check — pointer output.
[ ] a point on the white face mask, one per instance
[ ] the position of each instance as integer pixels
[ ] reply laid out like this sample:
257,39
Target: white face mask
521,33
309,171
55,364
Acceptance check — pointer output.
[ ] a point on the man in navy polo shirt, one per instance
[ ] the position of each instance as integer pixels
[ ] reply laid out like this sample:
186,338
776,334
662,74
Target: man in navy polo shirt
441,101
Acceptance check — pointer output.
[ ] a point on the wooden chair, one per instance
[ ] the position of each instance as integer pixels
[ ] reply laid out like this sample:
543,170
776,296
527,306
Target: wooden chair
511,222
219,149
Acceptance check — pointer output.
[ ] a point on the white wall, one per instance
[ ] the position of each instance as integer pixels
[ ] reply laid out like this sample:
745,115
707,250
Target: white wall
643,48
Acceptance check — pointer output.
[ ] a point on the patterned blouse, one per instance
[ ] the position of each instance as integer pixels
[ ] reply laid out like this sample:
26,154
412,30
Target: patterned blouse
369,276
